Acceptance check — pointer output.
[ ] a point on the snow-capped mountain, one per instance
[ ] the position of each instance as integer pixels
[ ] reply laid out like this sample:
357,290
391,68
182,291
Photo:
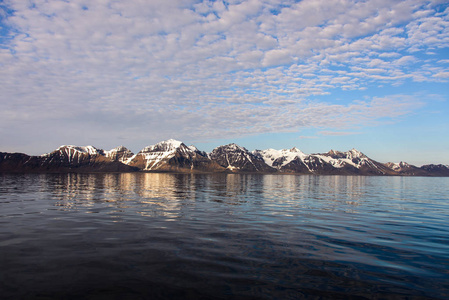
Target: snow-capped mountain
239,159
121,154
67,158
172,155
356,162
70,153
286,160
404,168
88,158
332,162
398,166
279,158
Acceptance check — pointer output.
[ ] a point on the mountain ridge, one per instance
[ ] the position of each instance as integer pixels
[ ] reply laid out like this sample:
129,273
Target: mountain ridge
175,156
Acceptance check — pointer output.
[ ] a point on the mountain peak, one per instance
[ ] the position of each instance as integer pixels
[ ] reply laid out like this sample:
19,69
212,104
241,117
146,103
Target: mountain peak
355,153
119,153
234,146
119,149
404,164
163,146
193,148
333,152
230,147
174,156
280,158
294,149
236,158
83,149
171,142
398,166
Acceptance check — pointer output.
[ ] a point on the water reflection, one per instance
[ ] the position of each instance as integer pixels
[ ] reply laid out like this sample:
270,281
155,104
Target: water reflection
262,236
252,196
167,191
329,206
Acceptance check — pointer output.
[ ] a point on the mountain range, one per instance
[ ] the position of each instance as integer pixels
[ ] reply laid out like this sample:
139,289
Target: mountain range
175,156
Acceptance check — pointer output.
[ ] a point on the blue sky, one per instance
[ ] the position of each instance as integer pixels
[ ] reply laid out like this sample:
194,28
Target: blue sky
319,75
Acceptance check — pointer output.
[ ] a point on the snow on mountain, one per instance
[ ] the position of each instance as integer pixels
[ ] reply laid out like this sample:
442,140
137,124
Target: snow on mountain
196,150
193,148
280,158
404,168
398,166
152,157
332,162
164,146
172,155
340,159
70,158
74,153
436,170
356,159
335,162
121,154
236,158
294,160
91,150
70,150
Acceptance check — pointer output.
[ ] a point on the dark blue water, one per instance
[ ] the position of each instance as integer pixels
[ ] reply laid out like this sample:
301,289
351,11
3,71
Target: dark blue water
174,236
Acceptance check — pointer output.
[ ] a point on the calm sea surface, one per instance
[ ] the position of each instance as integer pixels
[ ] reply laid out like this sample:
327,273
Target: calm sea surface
175,236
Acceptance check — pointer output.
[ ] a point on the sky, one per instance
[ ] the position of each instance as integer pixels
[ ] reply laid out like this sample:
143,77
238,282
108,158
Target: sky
315,74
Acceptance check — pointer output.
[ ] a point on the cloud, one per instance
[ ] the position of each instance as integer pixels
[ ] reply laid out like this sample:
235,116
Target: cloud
337,133
276,57
210,68
442,75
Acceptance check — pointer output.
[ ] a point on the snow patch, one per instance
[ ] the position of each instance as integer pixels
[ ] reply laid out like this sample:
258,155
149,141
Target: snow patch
269,156
125,154
193,148
91,150
336,163
156,154
398,166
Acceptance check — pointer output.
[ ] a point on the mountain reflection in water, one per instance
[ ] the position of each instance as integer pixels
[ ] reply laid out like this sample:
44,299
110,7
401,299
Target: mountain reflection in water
223,236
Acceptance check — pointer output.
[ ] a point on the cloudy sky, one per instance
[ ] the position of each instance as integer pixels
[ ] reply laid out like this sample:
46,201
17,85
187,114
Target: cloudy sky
315,74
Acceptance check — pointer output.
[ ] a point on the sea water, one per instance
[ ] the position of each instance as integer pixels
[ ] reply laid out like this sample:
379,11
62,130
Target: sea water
218,236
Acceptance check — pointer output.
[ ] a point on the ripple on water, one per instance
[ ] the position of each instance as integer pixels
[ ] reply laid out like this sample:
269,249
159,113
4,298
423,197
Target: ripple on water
223,236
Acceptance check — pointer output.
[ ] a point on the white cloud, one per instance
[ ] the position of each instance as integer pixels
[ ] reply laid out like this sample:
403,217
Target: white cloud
276,57
337,133
442,75
209,68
